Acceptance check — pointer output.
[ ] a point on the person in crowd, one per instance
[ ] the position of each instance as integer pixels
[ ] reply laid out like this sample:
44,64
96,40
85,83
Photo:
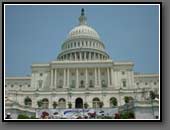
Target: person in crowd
8,116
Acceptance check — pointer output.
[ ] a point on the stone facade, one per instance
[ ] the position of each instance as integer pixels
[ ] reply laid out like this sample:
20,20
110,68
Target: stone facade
82,73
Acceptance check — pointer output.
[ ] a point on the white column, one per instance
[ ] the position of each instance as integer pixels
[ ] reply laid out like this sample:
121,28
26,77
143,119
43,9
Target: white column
77,78
132,78
89,55
80,55
64,77
86,73
95,76
115,79
112,77
51,78
85,56
67,56
70,56
68,77
108,77
99,80
75,56
55,77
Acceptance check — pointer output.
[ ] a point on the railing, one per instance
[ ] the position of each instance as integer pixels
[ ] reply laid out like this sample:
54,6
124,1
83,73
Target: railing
20,107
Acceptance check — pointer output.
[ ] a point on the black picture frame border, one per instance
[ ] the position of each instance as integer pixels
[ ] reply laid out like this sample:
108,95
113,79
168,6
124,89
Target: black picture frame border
84,120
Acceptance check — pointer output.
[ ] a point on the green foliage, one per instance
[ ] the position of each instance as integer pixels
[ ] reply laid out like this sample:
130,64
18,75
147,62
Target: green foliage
23,116
55,104
69,105
114,101
127,99
39,103
152,95
33,117
86,105
127,115
27,101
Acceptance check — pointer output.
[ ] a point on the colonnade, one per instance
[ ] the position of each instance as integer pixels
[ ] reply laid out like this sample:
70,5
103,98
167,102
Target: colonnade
83,56
66,77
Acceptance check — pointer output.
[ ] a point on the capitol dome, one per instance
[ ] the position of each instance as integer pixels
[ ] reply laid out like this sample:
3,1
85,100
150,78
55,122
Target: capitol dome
83,30
83,43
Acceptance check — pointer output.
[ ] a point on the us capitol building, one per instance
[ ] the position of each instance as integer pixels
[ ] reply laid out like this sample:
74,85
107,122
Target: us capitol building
82,73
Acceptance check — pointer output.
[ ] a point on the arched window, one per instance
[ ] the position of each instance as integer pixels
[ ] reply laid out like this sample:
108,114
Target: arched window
96,102
113,102
62,103
28,101
45,103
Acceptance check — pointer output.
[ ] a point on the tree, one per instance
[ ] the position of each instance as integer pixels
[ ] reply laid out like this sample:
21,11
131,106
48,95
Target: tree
127,115
39,103
86,105
23,116
152,95
27,101
69,105
114,101
127,99
55,104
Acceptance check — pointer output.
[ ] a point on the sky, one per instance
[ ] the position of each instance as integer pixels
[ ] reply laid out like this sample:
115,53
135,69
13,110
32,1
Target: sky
34,34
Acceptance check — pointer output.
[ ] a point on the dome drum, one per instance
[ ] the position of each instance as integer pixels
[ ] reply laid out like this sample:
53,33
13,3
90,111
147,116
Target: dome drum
83,42
83,55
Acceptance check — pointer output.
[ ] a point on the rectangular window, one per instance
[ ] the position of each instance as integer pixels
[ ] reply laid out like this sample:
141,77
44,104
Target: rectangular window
73,84
40,83
124,83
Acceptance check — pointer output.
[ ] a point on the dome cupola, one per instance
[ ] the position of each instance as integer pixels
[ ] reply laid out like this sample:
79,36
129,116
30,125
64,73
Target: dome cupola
83,29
